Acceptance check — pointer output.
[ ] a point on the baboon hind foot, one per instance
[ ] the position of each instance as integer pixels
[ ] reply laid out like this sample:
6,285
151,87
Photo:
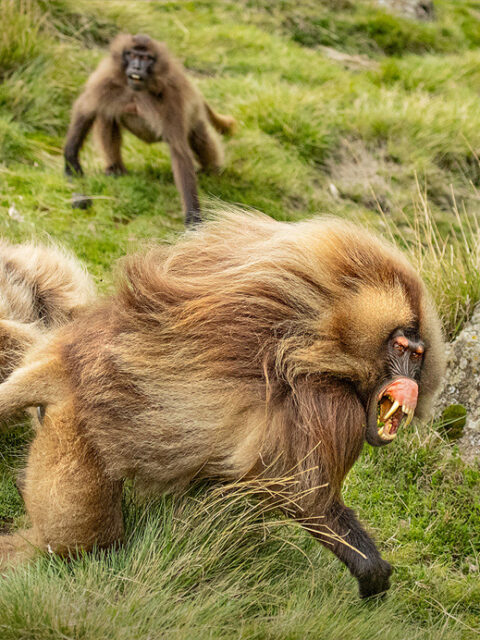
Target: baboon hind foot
17,548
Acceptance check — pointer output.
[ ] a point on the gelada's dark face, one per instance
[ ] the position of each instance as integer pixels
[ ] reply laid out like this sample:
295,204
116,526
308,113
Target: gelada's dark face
138,63
392,404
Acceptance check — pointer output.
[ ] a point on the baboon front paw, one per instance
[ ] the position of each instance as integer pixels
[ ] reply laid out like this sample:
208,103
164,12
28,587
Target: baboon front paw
376,581
73,169
115,170
211,169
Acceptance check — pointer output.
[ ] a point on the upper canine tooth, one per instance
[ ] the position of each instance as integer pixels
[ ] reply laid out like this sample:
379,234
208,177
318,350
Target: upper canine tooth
409,417
392,410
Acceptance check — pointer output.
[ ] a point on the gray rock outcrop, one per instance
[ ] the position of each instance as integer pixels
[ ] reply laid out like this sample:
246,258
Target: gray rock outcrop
462,385
418,9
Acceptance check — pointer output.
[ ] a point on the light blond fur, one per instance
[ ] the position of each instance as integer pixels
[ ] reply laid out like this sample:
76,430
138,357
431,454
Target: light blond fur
247,348
42,287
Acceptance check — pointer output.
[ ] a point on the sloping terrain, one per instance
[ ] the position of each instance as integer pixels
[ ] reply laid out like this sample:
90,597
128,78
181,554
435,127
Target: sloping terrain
343,108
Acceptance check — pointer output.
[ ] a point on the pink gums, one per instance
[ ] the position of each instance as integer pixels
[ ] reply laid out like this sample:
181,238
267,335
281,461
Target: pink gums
404,391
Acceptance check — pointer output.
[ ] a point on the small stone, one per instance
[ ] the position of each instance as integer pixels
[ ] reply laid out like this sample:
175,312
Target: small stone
333,190
15,214
80,201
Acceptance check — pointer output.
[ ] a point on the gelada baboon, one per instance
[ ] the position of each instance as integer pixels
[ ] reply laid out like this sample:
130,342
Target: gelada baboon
41,287
249,348
141,87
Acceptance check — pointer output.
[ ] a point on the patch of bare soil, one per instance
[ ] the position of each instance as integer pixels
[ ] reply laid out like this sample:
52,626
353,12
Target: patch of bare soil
348,61
363,175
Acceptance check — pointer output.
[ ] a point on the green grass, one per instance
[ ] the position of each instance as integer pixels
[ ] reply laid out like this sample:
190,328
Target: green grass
385,132
215,564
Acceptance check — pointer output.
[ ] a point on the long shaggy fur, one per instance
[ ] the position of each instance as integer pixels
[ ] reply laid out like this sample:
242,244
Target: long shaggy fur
246,328
41,288
247,348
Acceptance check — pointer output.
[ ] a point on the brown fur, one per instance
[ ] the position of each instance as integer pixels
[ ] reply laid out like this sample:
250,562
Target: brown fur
246,348
170,108
41,288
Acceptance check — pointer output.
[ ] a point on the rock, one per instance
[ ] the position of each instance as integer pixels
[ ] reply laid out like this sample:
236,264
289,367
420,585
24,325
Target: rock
15,214
418,9
80,201
462,387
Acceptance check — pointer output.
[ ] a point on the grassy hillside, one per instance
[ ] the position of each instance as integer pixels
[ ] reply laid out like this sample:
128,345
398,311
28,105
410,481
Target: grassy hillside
342,108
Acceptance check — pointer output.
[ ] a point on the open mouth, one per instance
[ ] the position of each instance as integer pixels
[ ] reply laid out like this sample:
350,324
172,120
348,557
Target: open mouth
395,407
135,79
136,82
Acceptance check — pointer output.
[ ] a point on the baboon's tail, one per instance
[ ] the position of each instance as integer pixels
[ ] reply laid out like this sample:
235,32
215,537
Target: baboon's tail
223,124
34,385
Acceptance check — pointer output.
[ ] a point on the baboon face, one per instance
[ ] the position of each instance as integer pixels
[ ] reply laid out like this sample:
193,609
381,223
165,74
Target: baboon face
392,404
138,62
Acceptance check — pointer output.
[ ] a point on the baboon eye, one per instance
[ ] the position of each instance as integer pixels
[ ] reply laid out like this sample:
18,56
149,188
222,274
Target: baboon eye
400,344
